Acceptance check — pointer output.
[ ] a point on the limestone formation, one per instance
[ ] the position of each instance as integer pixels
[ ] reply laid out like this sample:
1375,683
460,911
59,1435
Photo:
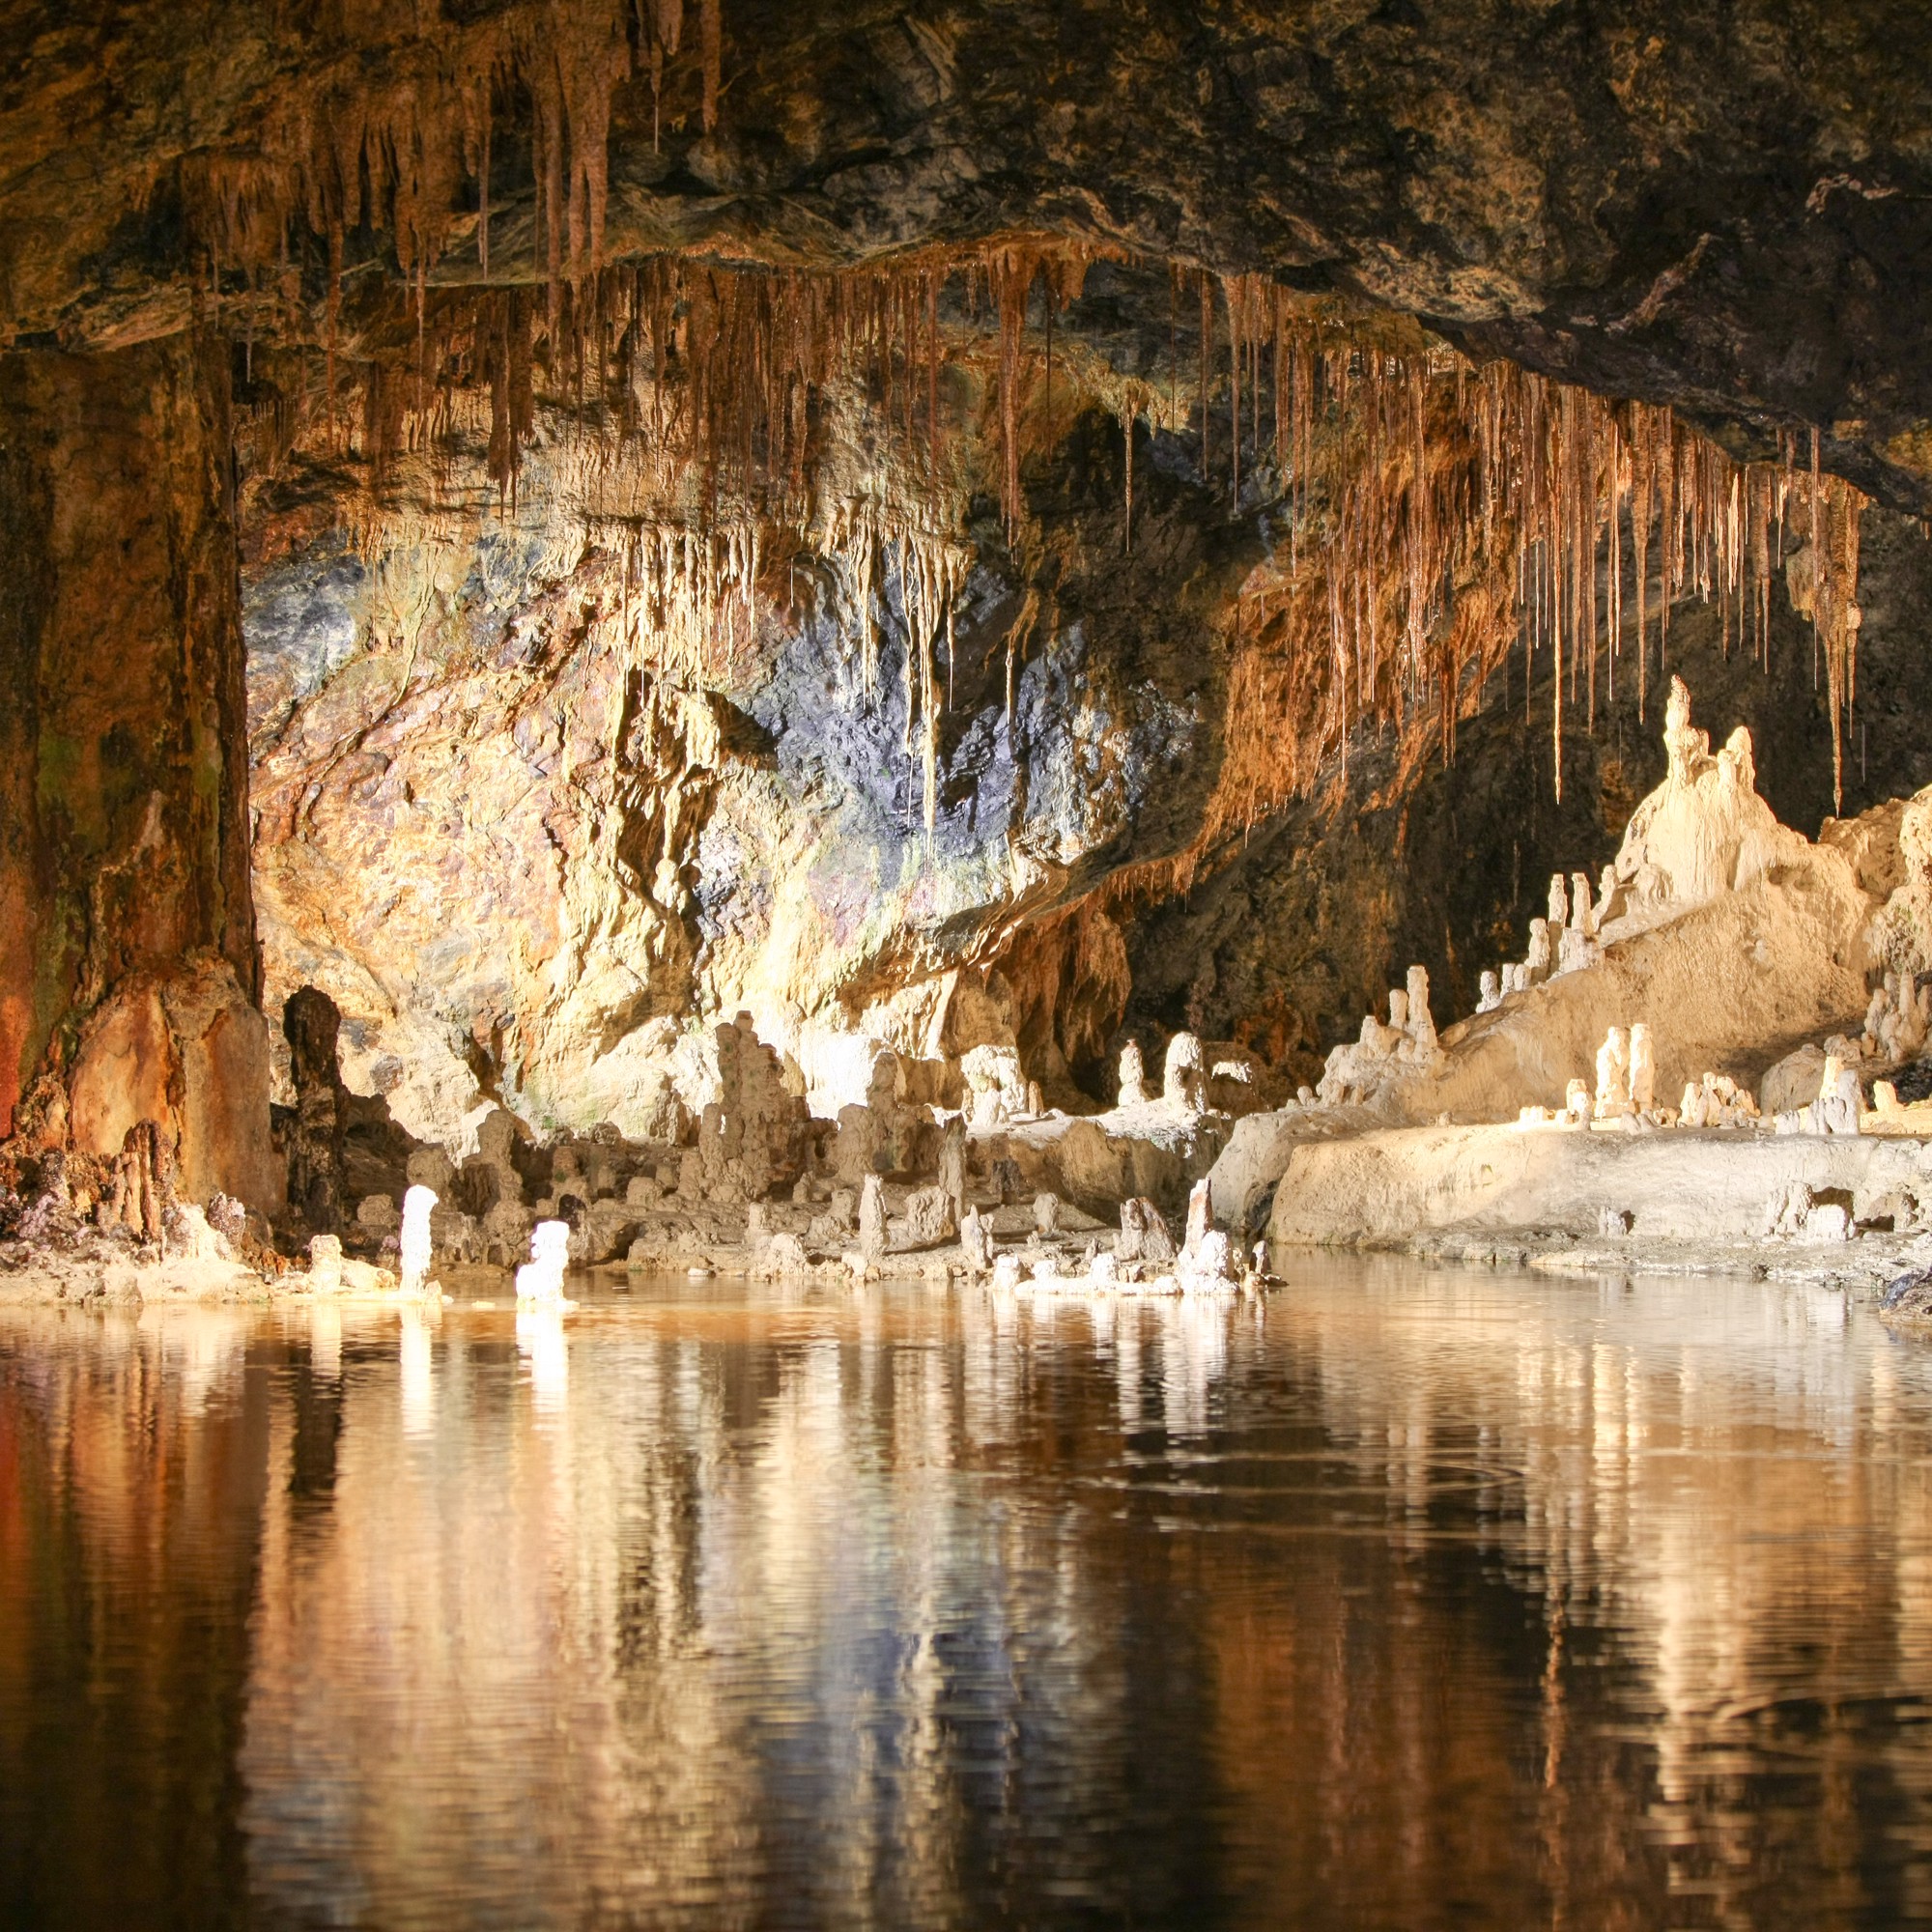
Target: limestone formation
1386,1058
378,1215
1134,1076
310,1023
784,1258
417,1246
1537,966
1144,1234
1490,995
143,1182
1897,1020
1582,914
540,1279
1794,1213
1642,1069
976,1242
953,1166
872,1217
1717,1100
1838,1108
750,1139
997,1085
1200,1215
1421,1045
431,1167
1047,1214
1613,1077
1183,1075
929,1217
325,1264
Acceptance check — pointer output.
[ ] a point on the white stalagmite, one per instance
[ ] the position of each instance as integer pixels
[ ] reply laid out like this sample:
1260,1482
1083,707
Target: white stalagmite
1614,1066
417,1204
1182,1082
1642,1069
541,1278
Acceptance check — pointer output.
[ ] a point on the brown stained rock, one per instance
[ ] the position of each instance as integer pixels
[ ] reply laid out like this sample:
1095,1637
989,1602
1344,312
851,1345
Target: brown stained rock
128,955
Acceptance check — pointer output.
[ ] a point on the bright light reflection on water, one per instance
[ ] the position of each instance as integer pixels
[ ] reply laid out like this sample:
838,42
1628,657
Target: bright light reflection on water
1411,1598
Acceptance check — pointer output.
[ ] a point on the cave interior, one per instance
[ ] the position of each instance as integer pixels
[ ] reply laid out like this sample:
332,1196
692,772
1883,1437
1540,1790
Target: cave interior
697,623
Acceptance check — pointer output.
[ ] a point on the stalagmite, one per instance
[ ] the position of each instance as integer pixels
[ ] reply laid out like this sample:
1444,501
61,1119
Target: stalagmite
996,1084
1134,1076
975,1241
1200,1215
1183,1074
872,1217
1490,993
1537,966
416,1245
1613,1077
953,1166
929,1217
540,1279
1642,1069
325,1264
1144,1236
1421,1023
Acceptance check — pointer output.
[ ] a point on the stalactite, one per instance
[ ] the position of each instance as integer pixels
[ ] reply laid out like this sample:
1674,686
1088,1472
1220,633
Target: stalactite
727,420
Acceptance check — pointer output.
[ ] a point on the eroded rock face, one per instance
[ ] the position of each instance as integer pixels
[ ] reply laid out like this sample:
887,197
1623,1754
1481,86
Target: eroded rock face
515,859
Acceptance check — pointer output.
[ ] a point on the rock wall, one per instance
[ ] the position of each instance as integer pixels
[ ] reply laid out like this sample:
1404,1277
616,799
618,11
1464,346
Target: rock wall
531,865
128,962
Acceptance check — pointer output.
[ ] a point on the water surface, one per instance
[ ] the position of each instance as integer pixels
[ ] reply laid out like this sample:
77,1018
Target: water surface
1407,1598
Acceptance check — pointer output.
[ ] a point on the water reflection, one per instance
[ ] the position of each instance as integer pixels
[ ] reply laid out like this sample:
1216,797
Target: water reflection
1407,1600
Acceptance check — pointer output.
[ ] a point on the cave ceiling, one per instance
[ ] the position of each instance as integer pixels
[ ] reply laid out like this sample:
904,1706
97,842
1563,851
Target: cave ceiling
773,505
1720,207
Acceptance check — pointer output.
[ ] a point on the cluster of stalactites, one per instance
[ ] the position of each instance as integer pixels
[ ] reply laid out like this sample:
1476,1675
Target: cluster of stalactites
1442,512
389,123
1437,512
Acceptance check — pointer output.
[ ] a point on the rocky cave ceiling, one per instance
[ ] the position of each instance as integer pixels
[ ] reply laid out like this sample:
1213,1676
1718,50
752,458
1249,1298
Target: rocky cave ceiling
783,507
